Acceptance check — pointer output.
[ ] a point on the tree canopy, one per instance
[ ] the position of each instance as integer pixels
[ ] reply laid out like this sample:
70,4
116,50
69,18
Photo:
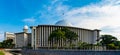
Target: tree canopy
7,44
109,41
62,34
56,35
70,35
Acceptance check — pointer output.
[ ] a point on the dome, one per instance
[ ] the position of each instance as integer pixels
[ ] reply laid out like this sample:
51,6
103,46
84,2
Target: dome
25,27
63,23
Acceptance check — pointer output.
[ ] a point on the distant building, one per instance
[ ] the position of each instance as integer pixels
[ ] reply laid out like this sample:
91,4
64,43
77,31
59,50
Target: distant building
21,39
41,33
9,35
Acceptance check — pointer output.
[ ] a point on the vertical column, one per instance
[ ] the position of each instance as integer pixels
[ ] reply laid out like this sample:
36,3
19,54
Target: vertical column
25,36
96,36
34,37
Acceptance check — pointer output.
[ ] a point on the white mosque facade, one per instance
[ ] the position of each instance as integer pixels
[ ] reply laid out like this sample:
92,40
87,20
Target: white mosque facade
41,33
38,38
20,39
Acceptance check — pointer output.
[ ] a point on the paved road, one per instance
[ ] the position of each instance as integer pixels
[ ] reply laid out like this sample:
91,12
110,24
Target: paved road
14,51
7,53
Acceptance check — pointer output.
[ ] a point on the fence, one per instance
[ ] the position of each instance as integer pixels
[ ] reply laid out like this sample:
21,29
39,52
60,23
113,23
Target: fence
69,52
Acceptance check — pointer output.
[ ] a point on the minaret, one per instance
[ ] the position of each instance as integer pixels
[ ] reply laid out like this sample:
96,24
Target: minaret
25,29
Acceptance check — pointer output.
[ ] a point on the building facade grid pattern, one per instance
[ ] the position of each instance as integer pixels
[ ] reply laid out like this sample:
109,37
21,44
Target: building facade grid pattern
44,31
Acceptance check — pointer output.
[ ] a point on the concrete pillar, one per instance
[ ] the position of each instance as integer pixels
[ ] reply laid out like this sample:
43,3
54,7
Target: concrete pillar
33,43
96,35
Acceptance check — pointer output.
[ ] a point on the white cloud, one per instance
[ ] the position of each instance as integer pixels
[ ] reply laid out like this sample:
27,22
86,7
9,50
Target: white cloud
94,16
105,13
98,16
1,36
29,20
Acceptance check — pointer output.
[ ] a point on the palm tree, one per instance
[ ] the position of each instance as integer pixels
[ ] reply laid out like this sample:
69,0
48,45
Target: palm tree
56,36
70,35
62,34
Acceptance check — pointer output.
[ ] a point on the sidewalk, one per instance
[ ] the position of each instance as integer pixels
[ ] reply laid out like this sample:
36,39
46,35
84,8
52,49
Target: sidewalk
6,53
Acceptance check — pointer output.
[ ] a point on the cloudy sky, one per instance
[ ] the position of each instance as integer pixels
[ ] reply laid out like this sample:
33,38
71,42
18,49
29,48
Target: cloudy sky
90,14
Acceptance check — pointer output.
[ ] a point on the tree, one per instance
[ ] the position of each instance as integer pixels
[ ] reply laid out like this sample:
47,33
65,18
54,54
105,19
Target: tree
117,44
64,34
107,40
56,36
84,45
0,44
70,35
8,43
112,46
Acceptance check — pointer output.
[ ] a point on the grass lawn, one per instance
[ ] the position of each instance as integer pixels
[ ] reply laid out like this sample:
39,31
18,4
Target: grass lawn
1,53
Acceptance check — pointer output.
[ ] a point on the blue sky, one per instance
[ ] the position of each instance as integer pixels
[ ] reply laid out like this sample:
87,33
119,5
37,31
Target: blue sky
91,14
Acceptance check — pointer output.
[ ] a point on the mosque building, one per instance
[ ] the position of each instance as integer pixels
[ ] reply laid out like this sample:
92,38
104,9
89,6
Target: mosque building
23,39
38,38
41,33
20,39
